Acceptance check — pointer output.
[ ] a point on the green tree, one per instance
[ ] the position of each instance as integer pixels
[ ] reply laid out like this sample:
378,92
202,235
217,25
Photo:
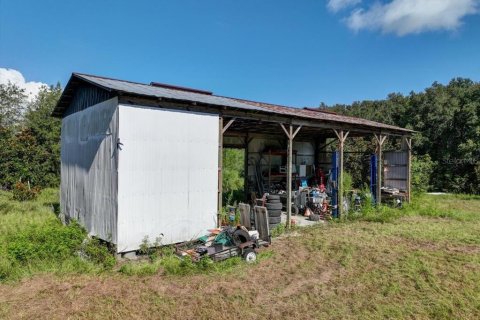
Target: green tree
29,143
233,175
12,105
45,131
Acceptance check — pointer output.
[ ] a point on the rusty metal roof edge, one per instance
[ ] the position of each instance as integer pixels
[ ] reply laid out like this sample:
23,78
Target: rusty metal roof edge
235,103
297,110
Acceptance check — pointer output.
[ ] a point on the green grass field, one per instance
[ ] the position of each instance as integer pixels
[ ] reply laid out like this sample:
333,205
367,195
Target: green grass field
420,262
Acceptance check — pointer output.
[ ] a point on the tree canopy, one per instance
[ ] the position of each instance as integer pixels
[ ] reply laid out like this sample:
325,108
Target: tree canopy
447,118
29,138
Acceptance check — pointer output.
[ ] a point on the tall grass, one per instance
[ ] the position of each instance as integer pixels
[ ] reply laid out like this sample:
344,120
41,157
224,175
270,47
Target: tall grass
33,240
457,207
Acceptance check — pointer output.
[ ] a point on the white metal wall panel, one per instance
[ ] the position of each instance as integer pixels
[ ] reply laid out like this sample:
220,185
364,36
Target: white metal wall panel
168,169
88,168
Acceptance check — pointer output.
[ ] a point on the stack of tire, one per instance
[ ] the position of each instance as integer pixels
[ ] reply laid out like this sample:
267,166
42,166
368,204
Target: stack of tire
274,210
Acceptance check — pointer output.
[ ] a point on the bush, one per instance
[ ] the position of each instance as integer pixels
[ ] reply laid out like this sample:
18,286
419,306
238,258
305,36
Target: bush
347,183
23,192
422,169
97,252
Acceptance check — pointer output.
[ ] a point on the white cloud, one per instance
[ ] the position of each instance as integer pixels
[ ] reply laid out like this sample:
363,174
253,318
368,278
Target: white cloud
337,5
412,16
15,77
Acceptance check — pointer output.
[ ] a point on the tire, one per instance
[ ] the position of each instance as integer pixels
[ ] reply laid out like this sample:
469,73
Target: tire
273,197
249,255
274,213
274,220
274,206
274,201
240,236
295,210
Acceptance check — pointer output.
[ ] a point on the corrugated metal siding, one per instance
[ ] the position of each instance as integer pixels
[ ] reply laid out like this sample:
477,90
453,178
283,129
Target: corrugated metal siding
168,169
395,169
85,96
89,170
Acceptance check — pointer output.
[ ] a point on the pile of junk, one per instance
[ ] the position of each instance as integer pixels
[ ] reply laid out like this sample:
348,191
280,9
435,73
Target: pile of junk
314,203
239,236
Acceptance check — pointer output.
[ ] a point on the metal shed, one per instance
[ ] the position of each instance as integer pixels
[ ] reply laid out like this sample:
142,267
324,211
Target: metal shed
145,160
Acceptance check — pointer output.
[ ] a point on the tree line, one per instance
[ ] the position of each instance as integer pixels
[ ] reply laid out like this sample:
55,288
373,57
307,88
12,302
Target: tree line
446,146
29,138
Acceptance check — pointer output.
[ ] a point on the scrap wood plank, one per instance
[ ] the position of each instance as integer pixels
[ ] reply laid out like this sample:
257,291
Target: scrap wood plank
261,222
245,215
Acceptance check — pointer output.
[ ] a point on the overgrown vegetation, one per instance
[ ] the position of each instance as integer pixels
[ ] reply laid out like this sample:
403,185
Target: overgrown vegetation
33,240
421,261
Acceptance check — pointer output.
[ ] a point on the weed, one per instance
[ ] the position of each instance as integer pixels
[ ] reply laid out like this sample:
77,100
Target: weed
153,250
98,252
23,191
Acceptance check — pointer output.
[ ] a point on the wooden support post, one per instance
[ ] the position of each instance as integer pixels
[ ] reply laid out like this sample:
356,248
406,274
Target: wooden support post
341,142
245,169
380,139
408,147
291,135
221,131
289,177
220,170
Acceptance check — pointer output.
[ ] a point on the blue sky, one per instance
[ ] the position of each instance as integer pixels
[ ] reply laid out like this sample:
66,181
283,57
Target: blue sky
297,53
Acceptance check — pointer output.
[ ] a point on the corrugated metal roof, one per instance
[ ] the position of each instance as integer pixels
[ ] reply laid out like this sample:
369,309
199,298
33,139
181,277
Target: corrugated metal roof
321,115
159,92
214,100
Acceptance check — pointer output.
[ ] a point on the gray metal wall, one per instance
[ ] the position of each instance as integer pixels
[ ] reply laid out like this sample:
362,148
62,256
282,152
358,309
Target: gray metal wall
395,169
89,168
86,95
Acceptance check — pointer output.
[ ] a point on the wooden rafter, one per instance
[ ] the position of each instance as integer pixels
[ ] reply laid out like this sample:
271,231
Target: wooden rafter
229,123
